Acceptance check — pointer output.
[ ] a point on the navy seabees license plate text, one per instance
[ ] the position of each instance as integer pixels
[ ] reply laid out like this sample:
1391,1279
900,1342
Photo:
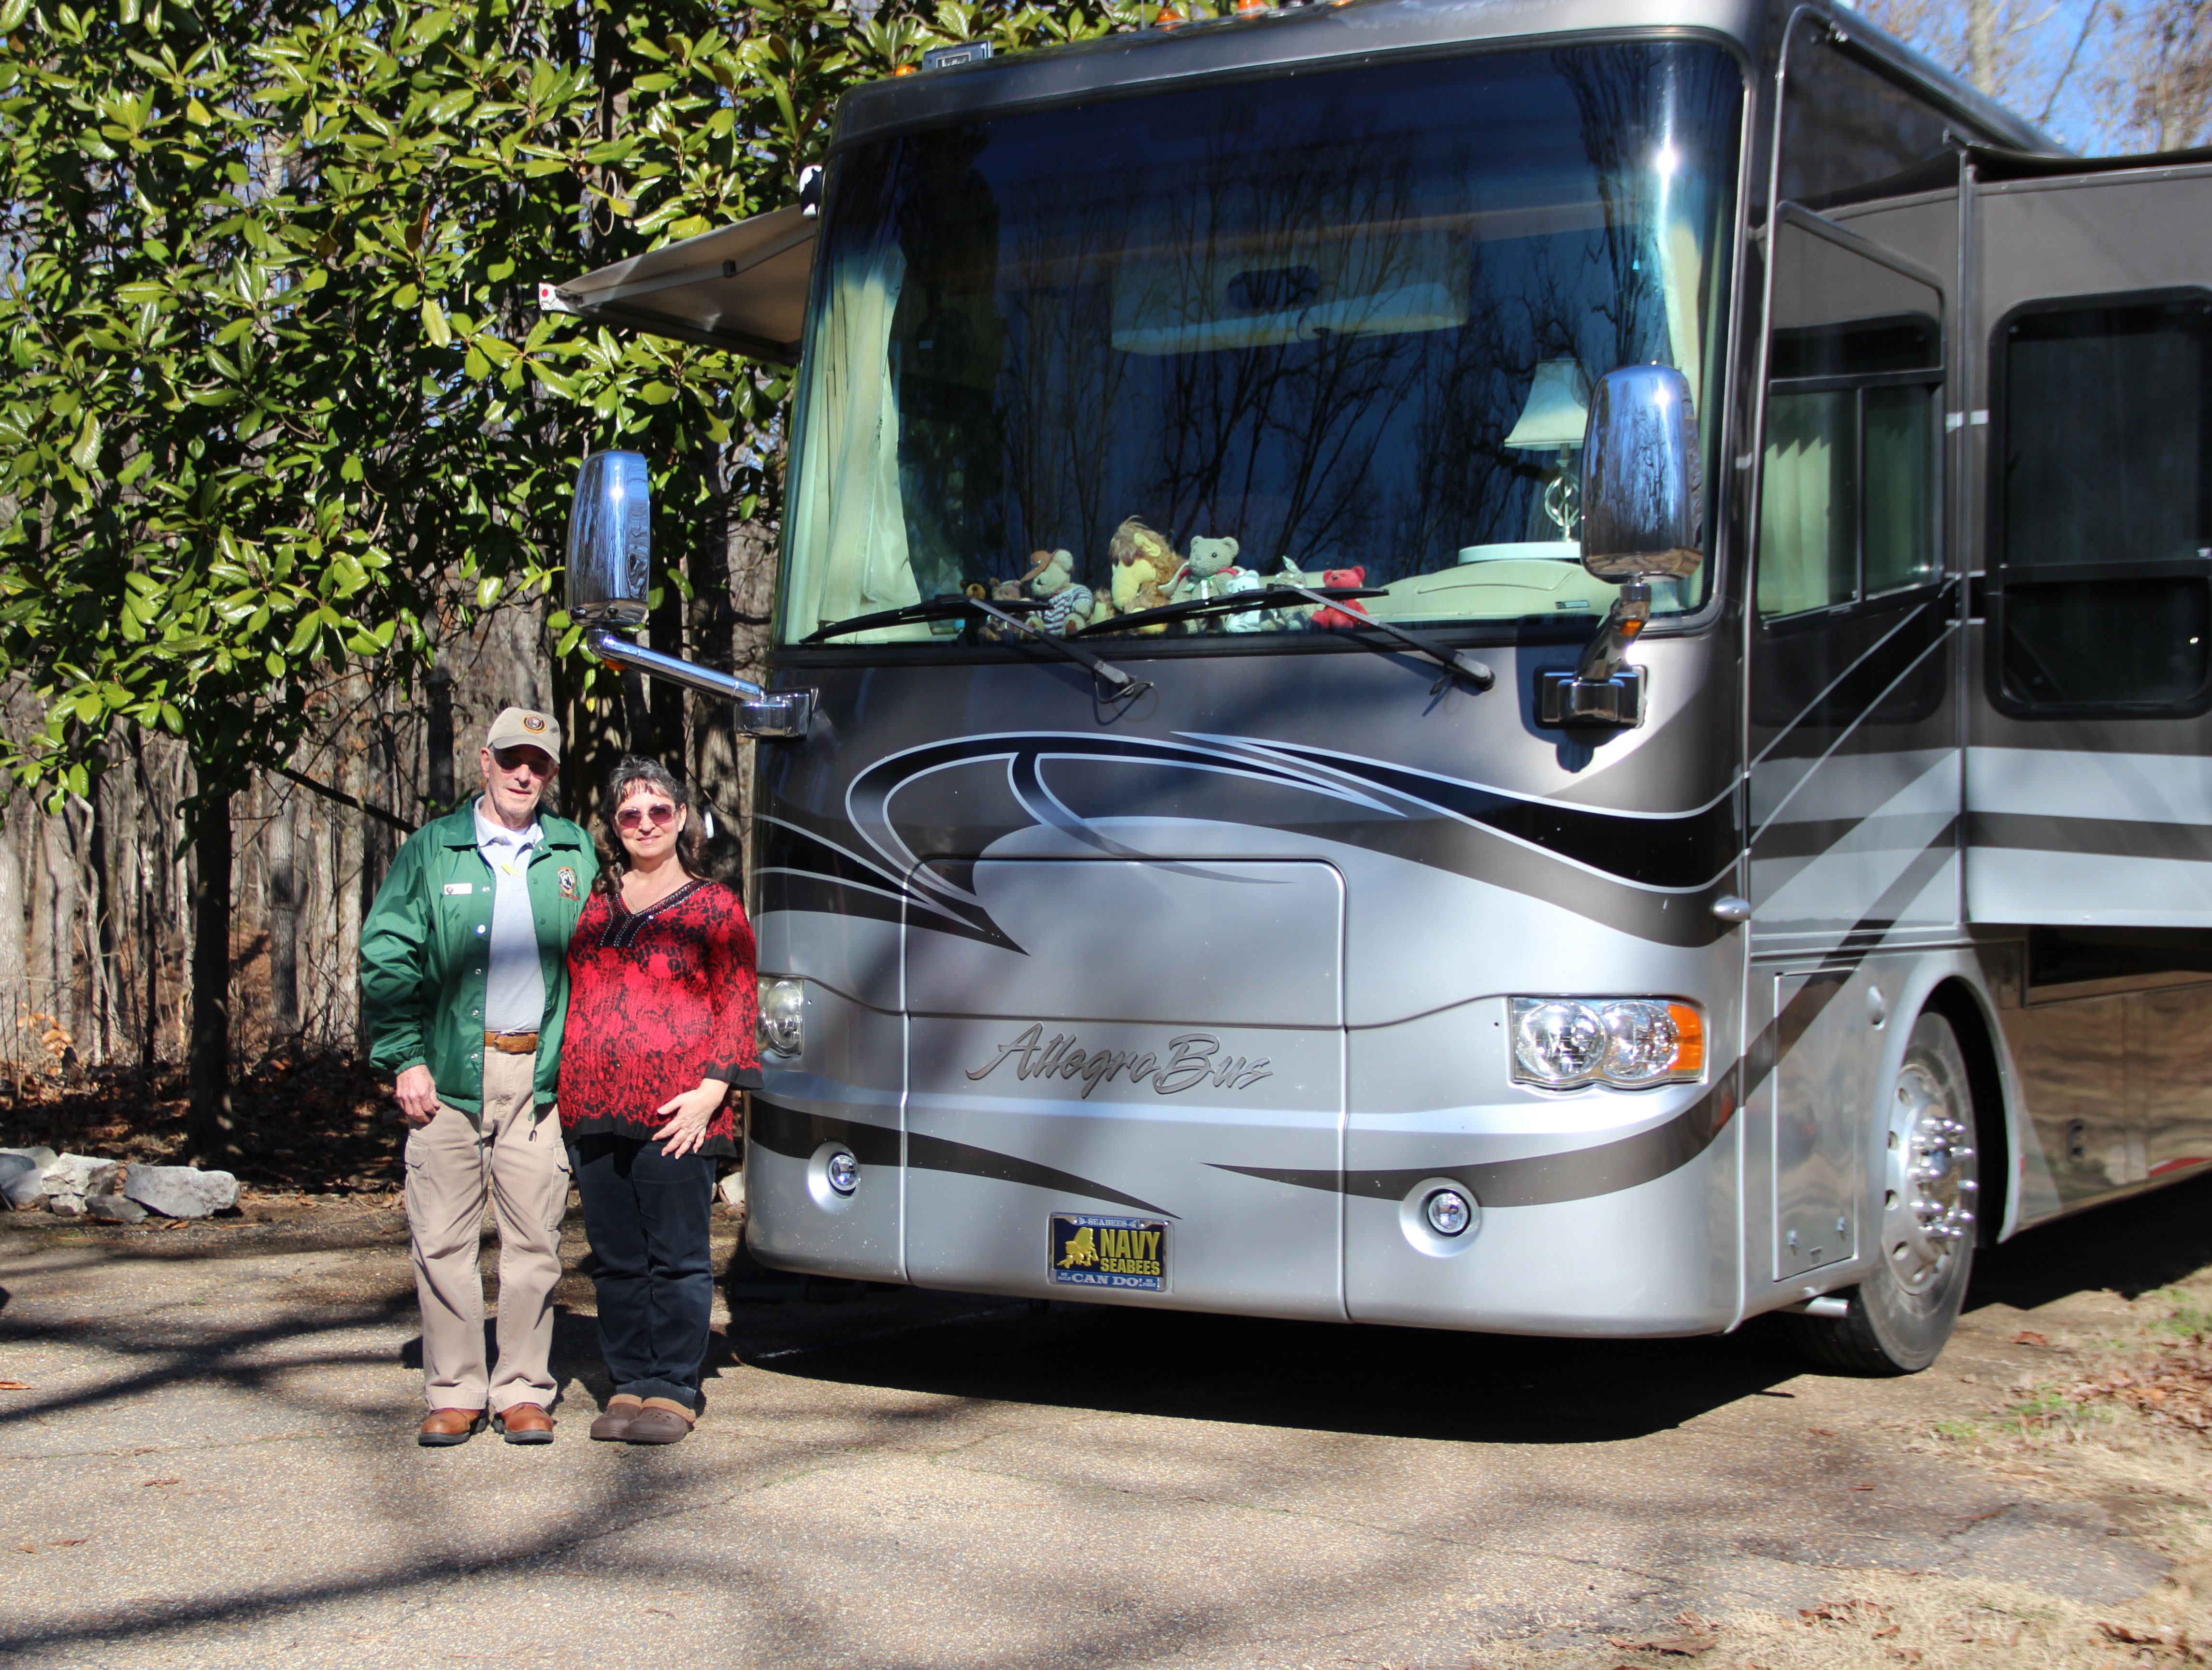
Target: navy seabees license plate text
1108,1252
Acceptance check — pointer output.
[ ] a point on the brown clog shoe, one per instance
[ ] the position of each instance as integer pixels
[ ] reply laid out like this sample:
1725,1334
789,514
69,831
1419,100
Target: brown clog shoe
441,1427
661,1421
613,1423
525,1423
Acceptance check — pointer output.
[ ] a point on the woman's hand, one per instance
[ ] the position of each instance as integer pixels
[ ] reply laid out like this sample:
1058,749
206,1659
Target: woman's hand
688,1116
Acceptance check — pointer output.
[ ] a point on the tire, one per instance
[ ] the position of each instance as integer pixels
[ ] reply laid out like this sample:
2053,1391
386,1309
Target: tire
1901,1315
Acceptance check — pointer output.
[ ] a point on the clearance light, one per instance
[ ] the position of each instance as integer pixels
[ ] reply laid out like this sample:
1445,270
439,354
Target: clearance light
1630,1043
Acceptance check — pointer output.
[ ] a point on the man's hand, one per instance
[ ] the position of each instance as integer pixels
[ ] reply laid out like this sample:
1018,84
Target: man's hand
417,1095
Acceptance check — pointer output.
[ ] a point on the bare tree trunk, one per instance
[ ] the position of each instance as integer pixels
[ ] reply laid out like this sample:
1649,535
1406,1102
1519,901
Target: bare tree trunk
209,1131
1982,44
283,924
438,739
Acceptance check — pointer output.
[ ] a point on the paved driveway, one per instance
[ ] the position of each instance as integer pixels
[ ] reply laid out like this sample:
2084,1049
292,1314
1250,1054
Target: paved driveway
213,1464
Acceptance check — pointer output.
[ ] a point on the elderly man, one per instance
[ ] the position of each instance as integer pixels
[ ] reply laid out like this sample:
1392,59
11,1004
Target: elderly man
465,983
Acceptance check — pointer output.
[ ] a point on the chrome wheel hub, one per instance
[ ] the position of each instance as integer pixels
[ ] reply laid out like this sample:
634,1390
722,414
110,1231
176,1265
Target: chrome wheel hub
1928,1209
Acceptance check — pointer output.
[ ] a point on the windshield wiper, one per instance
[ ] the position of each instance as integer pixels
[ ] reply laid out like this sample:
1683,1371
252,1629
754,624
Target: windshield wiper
944,607
952,605
1456,663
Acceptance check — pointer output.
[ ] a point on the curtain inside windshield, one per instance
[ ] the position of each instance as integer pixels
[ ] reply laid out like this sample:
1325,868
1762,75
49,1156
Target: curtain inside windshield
1333,329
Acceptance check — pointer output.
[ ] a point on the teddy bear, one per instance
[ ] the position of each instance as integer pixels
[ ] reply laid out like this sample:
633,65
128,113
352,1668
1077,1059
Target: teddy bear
1350,611
1210,571
1143,562
1051,576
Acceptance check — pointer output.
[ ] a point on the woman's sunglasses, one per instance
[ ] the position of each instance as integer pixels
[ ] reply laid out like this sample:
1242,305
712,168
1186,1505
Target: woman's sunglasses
660,812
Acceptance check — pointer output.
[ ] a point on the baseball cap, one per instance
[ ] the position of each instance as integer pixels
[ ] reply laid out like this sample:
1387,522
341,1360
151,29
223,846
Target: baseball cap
525,727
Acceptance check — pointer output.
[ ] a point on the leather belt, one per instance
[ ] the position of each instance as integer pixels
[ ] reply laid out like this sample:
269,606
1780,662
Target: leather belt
512,1043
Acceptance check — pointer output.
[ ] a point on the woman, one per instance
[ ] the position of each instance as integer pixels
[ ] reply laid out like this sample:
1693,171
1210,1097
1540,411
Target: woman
662,1006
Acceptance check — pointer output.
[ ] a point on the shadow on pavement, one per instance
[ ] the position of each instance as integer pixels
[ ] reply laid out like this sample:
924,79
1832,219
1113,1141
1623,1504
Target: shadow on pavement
2128,1247
1428,1383
1380,1381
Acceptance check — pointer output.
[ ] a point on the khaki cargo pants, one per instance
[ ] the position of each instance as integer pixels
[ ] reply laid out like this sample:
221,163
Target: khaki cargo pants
519,1162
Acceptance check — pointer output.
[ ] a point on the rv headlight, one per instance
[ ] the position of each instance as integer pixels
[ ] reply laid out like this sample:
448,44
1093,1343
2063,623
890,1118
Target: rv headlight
783,1015
1629,1042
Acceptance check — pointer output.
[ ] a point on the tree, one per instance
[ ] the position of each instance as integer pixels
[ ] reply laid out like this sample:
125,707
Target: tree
278,407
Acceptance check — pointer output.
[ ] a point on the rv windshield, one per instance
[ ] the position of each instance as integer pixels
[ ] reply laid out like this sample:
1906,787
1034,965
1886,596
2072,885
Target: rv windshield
1338,328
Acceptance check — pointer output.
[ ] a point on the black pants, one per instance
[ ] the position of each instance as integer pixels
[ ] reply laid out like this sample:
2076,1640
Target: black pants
648,1219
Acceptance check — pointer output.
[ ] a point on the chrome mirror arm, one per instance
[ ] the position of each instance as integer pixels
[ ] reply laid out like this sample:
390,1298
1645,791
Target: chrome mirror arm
1630,613
760,712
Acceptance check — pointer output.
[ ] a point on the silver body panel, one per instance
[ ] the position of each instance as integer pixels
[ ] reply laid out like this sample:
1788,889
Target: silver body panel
1286,898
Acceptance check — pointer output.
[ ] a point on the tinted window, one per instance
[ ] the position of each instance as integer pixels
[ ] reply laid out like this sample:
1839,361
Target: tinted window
2104,434
2104,416
1849,493
1159,349
1849,133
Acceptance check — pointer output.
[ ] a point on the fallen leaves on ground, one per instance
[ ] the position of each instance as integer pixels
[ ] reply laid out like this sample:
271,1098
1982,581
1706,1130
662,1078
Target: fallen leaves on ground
151,1482
2173,1389
2029,1337
2167,1646
14,1385
1840,1611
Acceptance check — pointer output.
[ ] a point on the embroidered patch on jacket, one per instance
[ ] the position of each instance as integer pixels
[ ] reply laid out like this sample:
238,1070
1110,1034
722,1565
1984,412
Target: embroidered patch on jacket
568,881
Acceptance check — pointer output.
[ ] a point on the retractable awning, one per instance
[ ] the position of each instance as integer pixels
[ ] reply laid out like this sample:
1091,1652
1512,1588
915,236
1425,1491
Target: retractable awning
742,288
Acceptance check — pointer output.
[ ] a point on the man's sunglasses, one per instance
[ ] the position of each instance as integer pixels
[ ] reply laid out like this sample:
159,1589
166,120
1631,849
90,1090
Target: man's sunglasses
512,759
661,813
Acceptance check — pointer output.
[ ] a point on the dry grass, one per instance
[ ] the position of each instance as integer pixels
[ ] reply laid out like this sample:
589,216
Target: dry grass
2117,1420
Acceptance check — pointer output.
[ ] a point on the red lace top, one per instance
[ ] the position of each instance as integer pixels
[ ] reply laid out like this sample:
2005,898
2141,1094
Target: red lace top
658,999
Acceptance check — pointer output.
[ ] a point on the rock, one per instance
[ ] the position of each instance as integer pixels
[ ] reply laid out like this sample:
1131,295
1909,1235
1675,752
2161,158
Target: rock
732,1190
66,1205
115,1208
21,1171
181,1190
78,1175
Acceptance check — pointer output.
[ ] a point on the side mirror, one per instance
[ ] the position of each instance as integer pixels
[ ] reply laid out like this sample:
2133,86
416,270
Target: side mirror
1643,486
610,540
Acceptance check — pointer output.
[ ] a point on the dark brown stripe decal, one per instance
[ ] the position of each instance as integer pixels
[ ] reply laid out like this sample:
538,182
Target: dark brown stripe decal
788,1131
1606,1167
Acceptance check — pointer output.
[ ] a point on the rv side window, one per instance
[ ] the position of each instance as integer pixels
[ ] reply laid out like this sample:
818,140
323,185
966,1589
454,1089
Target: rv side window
2103,446
1848,494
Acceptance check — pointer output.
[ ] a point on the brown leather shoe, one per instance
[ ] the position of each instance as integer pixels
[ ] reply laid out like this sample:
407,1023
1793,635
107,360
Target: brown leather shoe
525,1423
662,1421
441,1427
613,1425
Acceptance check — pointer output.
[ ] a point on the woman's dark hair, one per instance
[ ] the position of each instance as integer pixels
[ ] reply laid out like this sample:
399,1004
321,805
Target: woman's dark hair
632,772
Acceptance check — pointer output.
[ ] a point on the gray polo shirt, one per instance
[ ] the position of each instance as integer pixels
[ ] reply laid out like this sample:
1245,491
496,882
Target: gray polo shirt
514,981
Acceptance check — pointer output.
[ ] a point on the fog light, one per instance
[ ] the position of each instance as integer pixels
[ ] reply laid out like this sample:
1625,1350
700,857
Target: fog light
1447,1211
783,1015
843,1172
1628,1042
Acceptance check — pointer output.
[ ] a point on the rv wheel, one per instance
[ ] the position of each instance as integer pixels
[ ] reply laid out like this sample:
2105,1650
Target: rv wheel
1901,1315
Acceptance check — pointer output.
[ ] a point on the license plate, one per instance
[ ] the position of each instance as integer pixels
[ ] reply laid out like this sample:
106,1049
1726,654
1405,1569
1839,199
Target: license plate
1126,1253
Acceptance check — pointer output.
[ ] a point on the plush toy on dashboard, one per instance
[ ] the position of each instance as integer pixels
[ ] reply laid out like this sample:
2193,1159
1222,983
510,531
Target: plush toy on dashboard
1143,560
1349,612
1210,571
1066,605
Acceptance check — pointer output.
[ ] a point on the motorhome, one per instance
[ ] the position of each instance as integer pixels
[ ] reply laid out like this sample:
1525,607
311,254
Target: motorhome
1540,668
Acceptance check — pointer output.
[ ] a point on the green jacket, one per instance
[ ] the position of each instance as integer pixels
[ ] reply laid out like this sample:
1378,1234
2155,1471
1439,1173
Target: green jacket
423,951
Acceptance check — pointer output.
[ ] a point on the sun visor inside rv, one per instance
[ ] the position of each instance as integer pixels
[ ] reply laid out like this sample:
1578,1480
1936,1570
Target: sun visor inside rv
742,288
